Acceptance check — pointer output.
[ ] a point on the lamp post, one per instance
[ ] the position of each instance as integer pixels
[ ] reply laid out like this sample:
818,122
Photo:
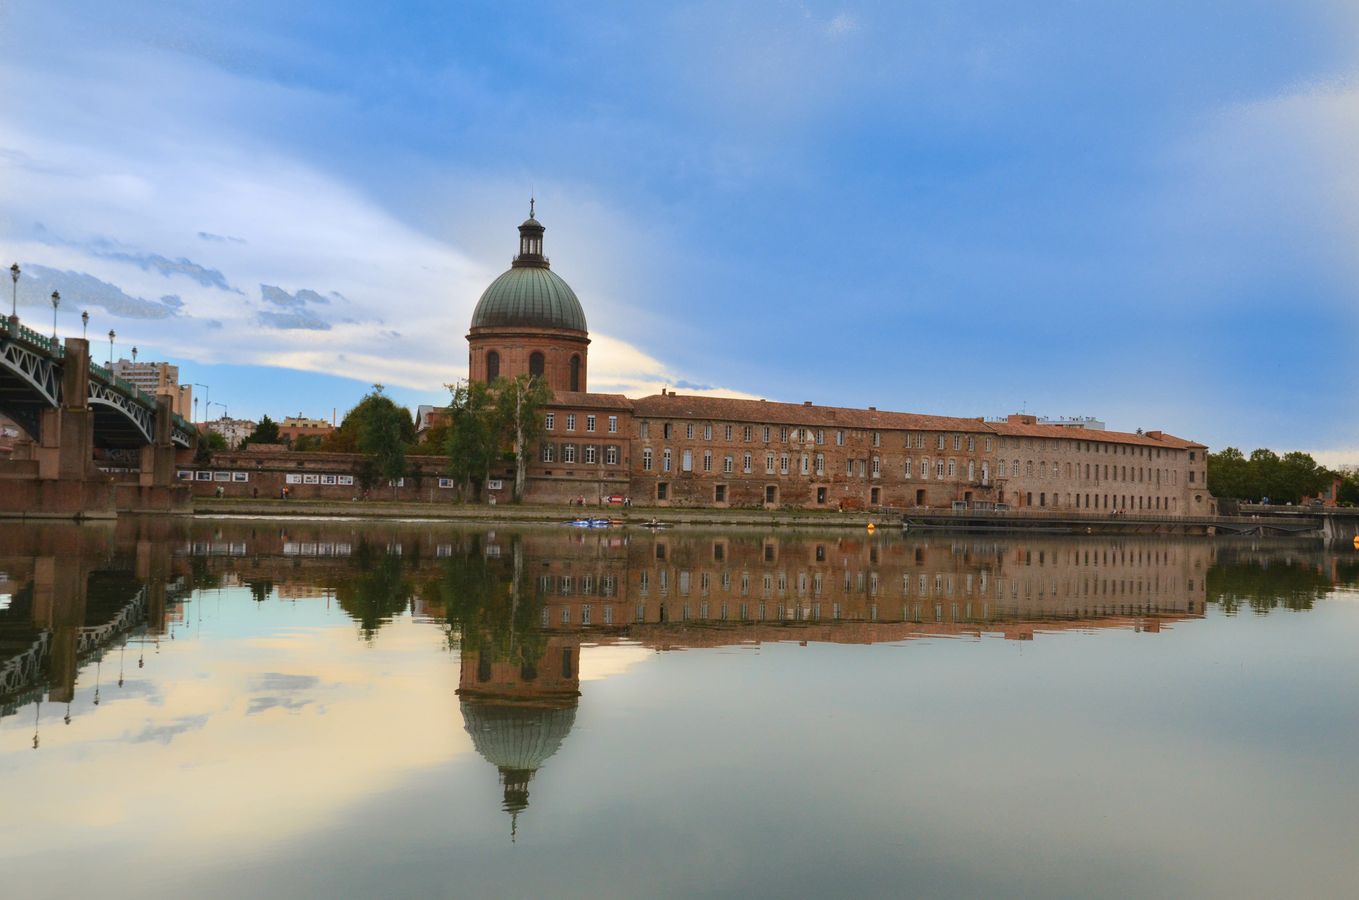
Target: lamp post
134,354
85,325
112,334
56,301
207,398
14,297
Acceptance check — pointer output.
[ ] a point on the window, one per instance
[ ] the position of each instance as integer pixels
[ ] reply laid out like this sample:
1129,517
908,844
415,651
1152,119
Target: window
877,439
987,445
728,464
686,460
1000,469
939,442
665,431
720,496
568,453
492,366
747,433
766,434
570,421
820,436
707,432
783,464
938,468
821,464
783,434
575,373
986,472
549,421
908,467
971,443
957,442
646,459
535,363
689,430
665,460
952,468
971,470
727,433
745,463
547,453
646,429
590,454
769,464
920,441
589,423
662,493
707,460
849,467
613,424
877,468
804,466
925,467
839,438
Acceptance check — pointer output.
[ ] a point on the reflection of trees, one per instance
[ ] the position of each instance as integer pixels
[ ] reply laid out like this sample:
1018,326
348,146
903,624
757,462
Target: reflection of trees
378,592
201,576
261,589
487,609
1268,582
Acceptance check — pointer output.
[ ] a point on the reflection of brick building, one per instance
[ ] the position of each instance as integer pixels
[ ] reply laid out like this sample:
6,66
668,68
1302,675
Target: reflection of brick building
709,451
518,713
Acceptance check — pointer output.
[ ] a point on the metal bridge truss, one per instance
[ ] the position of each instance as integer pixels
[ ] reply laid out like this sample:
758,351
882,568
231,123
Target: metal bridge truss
143,418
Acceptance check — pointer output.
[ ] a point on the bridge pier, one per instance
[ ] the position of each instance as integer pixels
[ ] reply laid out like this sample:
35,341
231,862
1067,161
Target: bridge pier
60,480
60,592
156,489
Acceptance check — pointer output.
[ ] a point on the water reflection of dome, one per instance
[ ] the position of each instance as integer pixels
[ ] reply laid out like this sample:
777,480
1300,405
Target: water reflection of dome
517,740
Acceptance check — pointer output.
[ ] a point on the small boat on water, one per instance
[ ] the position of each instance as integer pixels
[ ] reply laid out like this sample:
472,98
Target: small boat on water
590,523
654,524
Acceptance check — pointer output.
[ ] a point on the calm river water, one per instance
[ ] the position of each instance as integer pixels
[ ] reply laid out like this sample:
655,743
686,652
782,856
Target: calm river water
291,708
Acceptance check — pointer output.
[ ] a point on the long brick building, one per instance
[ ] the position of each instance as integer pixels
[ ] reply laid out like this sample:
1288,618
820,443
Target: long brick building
687,450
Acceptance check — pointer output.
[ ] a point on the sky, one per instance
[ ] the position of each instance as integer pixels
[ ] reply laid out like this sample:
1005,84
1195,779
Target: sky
1145,212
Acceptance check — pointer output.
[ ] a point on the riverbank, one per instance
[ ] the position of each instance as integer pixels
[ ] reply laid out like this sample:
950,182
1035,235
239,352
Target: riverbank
482,514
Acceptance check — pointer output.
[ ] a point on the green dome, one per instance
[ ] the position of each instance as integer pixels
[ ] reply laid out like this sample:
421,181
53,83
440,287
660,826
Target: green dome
529,296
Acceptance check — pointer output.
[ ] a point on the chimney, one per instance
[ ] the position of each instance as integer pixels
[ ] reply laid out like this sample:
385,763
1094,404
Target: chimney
806,403
1021,419
872,409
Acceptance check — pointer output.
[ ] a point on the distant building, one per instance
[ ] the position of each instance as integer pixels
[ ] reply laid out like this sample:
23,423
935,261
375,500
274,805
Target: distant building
1089,423
685,450
294,427
427,417
233,431
156,378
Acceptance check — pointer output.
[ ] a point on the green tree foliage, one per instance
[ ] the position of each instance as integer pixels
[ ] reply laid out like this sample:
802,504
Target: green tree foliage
519,410
489,608
474,436
378,592
1283,479
209,442
266,432
379,429
384,430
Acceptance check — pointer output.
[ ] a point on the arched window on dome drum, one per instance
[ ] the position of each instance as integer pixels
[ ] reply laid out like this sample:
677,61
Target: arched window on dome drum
492,366
535,364
575,373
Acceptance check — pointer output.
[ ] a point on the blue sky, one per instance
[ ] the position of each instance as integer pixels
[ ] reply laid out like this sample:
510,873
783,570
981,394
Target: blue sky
1146,212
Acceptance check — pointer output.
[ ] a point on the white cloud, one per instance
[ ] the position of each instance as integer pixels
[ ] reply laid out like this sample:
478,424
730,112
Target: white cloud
400,299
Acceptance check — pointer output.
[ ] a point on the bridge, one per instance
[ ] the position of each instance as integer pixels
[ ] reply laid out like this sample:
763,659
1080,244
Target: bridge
69,407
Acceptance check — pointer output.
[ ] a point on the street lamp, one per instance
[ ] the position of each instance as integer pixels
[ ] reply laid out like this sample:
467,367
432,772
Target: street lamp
85,325
14,298
207,398
56,301
112,334
134,354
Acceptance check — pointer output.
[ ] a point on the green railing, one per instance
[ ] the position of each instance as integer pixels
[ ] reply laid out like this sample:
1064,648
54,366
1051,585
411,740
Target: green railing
39,341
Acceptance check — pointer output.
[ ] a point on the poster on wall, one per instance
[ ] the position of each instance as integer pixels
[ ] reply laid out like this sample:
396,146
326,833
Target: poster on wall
346,479
330,479
184,475
240,476
445,482
202,476
311,479
292,478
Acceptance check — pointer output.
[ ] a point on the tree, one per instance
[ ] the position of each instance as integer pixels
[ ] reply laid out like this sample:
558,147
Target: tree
473,437
383,431
519,407
1229,474
208,443
266,432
